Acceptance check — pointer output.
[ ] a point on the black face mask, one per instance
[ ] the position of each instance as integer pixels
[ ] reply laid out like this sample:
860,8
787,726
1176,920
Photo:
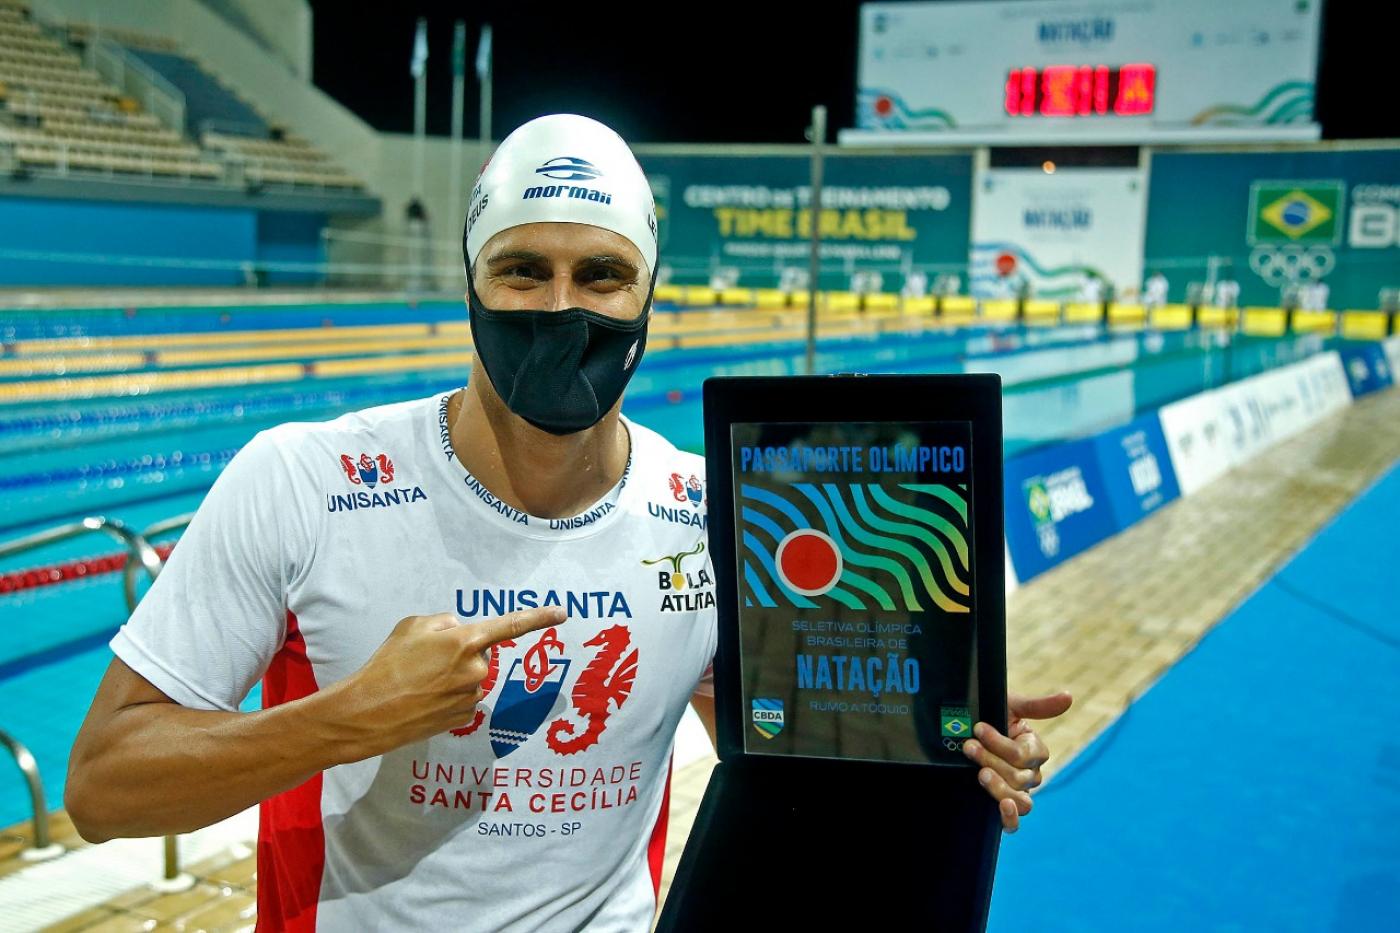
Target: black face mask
559,370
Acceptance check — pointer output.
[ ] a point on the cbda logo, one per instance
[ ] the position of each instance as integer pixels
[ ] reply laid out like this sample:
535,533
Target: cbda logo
767,717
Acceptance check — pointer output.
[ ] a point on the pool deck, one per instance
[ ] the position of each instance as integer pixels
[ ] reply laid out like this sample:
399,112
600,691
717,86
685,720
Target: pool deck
1105,625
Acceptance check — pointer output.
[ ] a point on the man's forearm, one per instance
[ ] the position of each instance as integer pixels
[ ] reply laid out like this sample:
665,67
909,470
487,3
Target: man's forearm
170,769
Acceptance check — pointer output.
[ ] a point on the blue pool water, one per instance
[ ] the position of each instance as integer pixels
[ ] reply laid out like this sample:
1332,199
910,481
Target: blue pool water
146,458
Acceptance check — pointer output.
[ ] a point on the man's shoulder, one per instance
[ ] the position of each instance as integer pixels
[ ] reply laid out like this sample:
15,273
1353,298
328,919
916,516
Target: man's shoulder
665,456
396,423
371,440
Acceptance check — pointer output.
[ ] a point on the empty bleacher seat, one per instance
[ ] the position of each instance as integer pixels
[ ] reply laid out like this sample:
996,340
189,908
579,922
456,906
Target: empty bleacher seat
207,102
55,114
62,116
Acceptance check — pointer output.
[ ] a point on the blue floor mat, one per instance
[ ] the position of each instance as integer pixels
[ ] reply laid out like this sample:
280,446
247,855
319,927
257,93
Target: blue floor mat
1257,785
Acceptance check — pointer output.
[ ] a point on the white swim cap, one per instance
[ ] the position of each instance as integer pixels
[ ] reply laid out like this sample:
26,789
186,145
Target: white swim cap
562,168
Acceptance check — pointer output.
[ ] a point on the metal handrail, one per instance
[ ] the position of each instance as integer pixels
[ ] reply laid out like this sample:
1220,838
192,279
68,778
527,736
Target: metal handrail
145,557
42,845
137,544
159,528
226,127
122,68
173,879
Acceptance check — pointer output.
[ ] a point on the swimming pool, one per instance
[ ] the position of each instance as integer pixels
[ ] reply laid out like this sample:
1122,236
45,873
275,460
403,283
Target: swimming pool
150,454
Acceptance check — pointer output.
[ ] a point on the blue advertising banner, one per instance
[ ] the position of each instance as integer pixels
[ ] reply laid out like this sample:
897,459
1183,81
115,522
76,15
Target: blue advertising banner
1057,505
1367,368
1136,468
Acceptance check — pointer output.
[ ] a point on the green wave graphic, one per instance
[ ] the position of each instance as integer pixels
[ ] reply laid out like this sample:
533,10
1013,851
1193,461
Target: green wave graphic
932,113
860,559
1298,106
844,598
923,516
1022,256
889,556
1066,291
959,503
906,114
757,520
885,542
1210,114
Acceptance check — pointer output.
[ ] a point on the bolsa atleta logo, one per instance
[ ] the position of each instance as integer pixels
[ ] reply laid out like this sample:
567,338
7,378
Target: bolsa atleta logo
683,591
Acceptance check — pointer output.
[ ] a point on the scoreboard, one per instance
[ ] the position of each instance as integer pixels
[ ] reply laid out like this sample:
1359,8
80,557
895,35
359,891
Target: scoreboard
1097,71
1081,90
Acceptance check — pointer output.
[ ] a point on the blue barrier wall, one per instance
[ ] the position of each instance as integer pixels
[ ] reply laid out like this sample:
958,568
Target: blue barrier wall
1367,368
115,244
1063,499
48,241
1137,470
291,237
1057,505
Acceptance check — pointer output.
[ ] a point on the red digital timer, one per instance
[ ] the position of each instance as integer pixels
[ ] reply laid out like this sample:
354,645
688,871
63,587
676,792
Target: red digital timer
1081,90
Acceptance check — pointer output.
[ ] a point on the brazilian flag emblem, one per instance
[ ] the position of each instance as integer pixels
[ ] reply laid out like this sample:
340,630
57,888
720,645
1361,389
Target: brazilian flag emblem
956,721
1038,500
767,717
1283,212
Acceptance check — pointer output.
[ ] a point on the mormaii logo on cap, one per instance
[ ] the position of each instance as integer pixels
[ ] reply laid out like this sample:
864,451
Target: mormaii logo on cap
569,168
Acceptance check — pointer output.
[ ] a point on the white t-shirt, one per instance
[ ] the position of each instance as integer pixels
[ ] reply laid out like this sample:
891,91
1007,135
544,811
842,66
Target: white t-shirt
546,811
1227,293
1155,293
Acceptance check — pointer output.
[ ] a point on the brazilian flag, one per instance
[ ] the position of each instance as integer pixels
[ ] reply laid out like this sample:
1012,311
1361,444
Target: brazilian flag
1282,212
956,721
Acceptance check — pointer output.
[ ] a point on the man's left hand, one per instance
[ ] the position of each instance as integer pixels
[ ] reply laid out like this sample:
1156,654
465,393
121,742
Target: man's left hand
1011,763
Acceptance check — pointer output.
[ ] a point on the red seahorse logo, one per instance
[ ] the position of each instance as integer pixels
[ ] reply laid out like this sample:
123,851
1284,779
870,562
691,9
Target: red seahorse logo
606,680
493,668
368,470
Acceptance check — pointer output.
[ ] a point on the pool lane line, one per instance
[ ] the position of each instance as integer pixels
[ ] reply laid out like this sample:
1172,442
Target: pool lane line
19,581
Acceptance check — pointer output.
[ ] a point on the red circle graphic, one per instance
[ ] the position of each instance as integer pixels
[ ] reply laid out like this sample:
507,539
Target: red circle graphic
809,562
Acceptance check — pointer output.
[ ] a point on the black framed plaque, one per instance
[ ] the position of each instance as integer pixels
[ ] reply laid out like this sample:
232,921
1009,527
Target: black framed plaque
856,530
854,566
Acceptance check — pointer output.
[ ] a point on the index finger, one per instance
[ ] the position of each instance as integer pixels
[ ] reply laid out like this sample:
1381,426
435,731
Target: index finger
483,635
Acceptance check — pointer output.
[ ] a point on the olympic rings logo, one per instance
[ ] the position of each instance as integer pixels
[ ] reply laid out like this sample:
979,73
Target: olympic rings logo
953,745
1279,265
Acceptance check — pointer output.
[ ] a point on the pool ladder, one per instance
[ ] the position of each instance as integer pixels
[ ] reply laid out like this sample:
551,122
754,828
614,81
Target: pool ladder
143,557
